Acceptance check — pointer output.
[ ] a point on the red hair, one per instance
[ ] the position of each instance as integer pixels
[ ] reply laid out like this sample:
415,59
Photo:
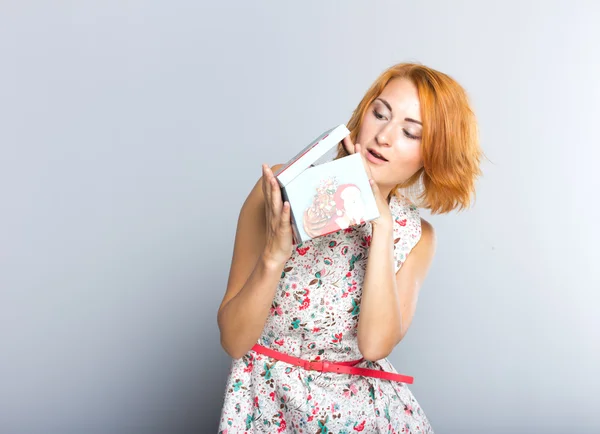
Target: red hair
450,140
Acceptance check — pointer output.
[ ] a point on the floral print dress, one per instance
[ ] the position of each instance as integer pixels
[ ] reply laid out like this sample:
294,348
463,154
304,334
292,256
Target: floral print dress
314,315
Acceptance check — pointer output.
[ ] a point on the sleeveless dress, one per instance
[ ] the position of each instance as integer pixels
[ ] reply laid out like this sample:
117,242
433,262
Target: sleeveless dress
314,315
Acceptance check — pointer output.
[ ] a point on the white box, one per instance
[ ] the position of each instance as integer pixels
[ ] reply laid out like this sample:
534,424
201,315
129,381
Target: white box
326,195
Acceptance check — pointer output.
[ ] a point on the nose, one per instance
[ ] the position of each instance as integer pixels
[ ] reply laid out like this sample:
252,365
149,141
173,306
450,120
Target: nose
387,134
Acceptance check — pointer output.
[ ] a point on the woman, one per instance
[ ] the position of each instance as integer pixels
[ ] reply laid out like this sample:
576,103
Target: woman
310,326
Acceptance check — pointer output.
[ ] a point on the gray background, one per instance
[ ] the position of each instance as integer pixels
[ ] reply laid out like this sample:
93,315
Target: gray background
132,131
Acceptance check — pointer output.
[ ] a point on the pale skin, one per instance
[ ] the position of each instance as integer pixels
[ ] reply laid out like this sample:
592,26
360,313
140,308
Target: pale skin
263,241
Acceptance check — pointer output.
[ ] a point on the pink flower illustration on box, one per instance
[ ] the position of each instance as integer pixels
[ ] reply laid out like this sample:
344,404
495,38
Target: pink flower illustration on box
323,206
334,208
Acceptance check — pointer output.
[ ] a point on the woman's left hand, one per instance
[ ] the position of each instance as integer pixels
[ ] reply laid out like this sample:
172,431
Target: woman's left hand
385,216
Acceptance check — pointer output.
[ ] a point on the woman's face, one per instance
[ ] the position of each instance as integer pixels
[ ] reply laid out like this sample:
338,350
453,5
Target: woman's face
392,128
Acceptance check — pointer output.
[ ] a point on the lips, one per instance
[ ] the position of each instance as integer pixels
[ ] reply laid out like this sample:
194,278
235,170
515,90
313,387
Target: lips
376,154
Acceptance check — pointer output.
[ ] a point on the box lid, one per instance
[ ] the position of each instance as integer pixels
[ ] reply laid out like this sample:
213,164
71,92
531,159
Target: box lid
310,154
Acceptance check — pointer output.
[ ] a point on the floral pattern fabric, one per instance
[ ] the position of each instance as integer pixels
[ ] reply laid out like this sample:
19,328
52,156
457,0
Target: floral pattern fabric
314,315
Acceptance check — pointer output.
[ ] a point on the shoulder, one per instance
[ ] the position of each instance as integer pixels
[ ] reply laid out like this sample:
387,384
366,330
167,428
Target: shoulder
427,229
420,258
428,241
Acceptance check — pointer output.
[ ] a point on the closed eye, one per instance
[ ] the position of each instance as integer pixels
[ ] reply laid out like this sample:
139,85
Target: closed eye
406,133
378,115
410,136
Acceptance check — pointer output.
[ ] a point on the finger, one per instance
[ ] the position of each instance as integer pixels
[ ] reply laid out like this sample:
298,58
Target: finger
348,145
267,185
376,191
264,187
374,185
285,215
275,197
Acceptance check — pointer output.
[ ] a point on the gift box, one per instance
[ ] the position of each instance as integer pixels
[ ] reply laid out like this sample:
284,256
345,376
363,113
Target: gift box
326,195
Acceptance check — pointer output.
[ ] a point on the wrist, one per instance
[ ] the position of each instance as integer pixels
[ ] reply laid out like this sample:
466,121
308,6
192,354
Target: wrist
383,227
271,262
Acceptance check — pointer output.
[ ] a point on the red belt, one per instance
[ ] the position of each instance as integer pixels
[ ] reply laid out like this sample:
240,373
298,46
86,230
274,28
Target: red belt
337,367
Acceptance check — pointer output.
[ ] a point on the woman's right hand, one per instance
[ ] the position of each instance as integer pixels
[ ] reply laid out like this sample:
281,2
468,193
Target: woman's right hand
278,242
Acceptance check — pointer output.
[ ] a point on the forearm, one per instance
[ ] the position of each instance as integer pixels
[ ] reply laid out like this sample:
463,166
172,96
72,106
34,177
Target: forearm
379,325
242,319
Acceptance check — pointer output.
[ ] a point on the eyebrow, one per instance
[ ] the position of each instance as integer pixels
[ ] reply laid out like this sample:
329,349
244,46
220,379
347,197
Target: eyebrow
387,104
